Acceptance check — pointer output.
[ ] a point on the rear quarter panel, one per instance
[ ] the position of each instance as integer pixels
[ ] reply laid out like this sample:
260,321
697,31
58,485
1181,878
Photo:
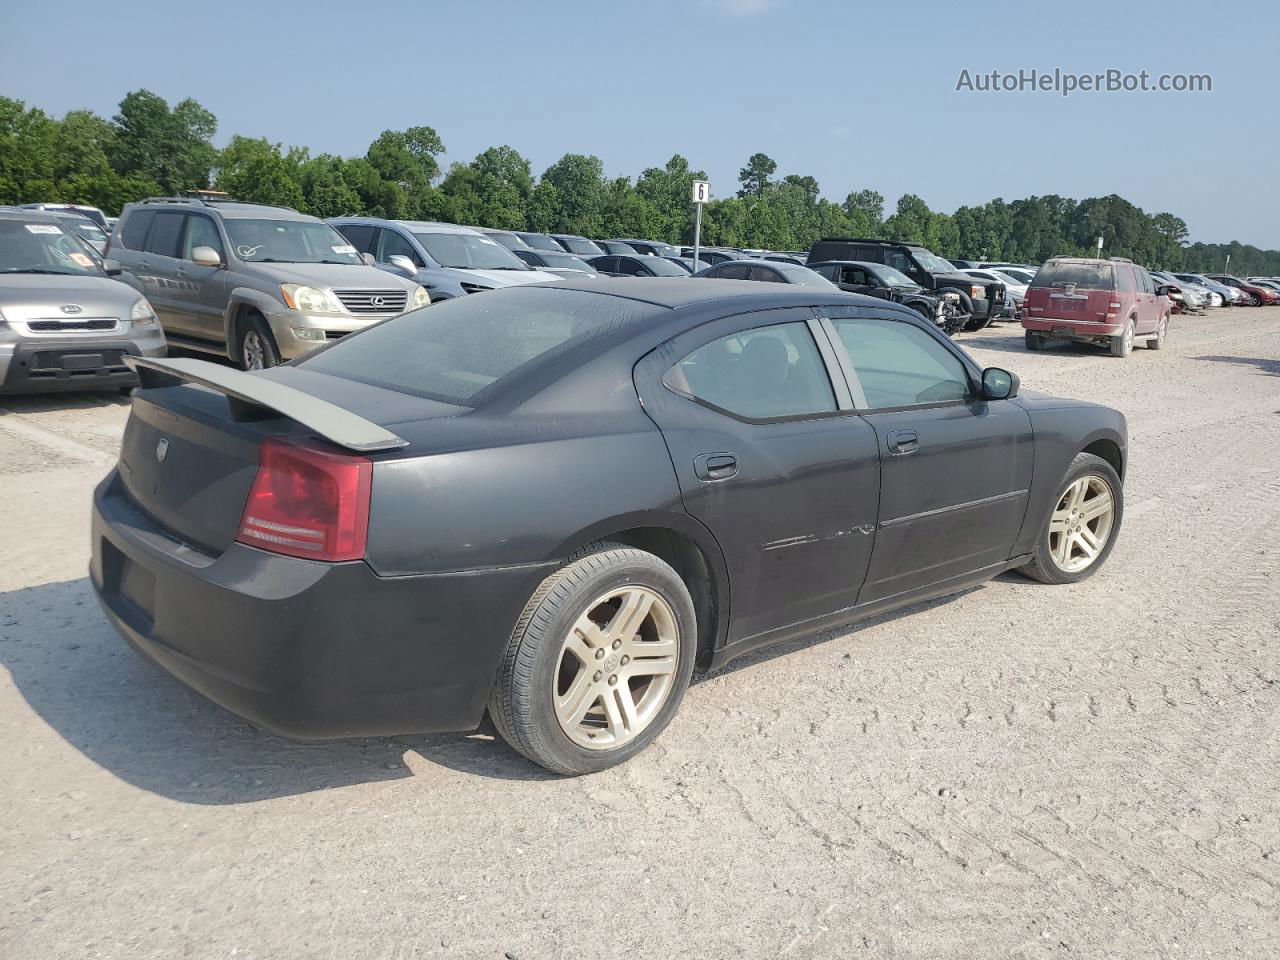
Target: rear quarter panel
525,500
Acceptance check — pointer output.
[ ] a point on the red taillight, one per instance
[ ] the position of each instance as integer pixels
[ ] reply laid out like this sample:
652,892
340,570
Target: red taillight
308,503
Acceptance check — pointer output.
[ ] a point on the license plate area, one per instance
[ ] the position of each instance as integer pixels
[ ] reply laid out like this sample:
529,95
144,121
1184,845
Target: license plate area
129,588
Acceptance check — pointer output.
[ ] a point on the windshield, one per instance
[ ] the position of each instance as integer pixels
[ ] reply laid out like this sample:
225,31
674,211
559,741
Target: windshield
566,261
1091,275
664,268
805,277
289,241
1019,276
932,262
891,277
1005,277
540,241
581,245
43,248
87,229
468,349
469,251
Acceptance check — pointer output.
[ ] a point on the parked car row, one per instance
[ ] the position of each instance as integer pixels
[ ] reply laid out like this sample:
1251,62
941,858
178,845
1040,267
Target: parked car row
260,284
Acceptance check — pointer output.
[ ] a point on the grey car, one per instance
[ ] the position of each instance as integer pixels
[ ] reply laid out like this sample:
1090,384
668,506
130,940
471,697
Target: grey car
65,324
254,283
449,260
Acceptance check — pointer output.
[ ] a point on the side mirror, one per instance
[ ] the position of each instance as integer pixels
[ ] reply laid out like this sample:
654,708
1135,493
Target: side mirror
1165,290
404,265
206,257
999,384
112,268
368,259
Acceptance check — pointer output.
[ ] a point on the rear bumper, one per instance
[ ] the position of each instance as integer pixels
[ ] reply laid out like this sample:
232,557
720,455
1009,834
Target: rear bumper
306,650
1071,329
53,364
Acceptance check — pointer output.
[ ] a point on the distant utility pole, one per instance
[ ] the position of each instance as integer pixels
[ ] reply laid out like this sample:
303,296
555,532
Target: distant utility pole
701,194
1227,268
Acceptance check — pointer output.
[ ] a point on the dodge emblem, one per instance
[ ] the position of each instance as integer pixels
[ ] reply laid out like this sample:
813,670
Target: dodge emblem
162,449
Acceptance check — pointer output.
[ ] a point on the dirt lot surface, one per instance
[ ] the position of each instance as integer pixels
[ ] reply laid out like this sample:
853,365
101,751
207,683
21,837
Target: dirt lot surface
1018,771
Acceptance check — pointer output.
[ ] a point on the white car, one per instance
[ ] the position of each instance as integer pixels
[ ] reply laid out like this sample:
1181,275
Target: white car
1015,292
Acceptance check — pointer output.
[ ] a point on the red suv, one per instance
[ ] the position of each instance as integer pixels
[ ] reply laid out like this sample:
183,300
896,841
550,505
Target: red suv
1112,302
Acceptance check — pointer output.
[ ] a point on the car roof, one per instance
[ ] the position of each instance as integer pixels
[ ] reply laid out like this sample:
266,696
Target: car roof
677,292
228,209
28,216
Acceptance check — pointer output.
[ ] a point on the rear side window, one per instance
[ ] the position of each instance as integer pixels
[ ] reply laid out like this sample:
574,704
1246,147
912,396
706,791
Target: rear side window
165,231
469,349
1124,279
1089,275
761,374
134,232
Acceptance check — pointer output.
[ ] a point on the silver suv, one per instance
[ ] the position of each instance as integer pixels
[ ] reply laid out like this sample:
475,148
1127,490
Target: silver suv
255,283
65,324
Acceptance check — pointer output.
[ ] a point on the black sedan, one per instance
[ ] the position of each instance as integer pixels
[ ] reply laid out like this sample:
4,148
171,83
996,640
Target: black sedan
637,265
565,264
556,502
766,271
883,281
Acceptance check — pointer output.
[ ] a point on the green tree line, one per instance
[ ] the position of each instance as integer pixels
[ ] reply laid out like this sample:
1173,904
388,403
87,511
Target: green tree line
150,148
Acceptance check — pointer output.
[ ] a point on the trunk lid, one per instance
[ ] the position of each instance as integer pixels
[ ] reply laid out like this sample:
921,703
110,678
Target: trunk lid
191,450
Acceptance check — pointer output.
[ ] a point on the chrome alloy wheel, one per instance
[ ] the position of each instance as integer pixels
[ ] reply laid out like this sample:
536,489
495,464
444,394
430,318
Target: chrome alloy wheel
1081,524
615,668
1128,337
254,351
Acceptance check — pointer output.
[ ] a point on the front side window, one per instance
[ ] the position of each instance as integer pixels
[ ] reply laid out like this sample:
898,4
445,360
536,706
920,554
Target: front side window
391,244
288,241
759,374
900,365
201,232
468,251
43,248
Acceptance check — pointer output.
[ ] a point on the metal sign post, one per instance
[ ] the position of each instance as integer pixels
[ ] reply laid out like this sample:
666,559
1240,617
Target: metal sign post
1099,248
701,194
1227,268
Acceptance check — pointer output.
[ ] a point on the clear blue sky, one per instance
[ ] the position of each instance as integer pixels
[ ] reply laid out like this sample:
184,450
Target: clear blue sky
857,94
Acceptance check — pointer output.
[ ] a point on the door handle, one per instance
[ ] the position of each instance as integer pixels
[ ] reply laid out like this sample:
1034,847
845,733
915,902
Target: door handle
903,441
715,466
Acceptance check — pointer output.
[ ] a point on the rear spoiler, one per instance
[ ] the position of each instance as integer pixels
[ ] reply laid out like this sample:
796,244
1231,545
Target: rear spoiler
252,397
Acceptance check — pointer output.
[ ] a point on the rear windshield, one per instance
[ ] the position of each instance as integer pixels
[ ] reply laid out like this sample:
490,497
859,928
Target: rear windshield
1090,276
468,349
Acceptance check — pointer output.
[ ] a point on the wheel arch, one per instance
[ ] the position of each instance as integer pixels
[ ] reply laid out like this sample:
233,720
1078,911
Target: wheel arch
241,304
689,548
1109,450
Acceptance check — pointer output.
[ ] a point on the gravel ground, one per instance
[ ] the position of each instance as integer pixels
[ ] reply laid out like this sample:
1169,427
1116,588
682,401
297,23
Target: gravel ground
1017,771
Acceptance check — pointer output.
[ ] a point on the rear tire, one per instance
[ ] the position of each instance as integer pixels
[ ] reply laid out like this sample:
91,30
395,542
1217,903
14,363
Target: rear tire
257,348
1122,345
1057,560
567,695
1033,341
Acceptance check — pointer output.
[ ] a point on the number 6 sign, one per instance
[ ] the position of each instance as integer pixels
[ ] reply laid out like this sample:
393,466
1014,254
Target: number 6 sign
701,191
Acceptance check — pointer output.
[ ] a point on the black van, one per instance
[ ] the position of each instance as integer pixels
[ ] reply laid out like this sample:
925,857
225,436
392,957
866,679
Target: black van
982,301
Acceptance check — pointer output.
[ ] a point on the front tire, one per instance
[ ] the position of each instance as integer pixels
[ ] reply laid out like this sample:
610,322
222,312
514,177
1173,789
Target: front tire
1162,330
598,662
257,347
1081,528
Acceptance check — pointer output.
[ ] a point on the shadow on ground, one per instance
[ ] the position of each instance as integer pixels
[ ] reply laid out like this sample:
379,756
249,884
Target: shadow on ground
149,730
1267,365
